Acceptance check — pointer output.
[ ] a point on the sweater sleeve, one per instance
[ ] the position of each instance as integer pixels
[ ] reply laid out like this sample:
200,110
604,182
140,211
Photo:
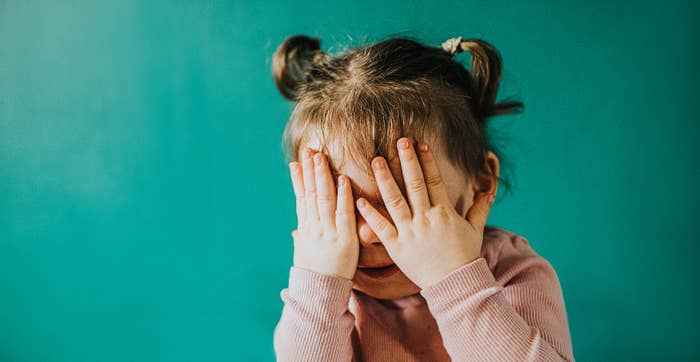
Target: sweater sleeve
524,319
316,324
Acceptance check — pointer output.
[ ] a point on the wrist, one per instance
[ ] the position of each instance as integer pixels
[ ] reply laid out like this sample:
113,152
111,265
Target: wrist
447,270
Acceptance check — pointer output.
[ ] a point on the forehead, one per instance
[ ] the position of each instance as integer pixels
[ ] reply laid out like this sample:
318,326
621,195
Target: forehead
364,185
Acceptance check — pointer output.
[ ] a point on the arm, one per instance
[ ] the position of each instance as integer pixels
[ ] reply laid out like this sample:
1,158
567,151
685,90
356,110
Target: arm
315,324
523,319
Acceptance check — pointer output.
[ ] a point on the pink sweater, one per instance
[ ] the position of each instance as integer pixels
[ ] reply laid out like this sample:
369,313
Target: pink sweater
506,305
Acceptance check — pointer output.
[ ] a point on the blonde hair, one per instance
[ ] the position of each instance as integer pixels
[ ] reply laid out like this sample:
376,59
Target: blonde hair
367,97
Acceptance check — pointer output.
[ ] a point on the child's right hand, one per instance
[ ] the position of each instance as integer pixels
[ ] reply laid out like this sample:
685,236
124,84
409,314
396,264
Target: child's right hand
325,240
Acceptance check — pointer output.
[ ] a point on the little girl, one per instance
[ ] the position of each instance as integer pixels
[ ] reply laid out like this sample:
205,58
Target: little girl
394,178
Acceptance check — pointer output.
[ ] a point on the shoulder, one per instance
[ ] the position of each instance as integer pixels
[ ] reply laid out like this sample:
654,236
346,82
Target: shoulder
500,243
510,255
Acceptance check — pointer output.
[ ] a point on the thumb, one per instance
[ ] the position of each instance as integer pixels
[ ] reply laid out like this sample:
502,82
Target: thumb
479,212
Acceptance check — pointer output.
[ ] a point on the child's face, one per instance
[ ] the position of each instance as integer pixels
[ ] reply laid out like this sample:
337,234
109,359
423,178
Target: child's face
372,252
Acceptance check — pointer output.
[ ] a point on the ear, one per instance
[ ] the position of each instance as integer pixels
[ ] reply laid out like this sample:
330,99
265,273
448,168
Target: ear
487,182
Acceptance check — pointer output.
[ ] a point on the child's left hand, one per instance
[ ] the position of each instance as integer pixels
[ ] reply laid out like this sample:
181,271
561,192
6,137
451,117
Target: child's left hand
430,239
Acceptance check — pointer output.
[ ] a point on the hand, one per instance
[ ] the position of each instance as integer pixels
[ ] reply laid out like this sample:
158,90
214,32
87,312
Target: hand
430,239
325,240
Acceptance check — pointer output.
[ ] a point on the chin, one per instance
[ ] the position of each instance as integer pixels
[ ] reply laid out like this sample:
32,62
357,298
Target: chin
395,286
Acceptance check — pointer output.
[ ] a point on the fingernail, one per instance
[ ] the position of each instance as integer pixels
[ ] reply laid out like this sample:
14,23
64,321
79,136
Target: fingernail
361,202
318,159
423,147
307,153
378,163
404,143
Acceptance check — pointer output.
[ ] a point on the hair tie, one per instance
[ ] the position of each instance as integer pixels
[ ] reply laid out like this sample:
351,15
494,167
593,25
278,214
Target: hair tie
452,45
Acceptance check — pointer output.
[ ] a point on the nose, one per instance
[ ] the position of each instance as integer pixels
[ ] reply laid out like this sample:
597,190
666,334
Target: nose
365,234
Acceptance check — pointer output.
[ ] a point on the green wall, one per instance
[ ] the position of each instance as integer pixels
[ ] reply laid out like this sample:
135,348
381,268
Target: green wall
145,206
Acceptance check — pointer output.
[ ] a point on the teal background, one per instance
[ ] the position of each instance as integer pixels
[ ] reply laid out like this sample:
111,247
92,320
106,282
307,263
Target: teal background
145,205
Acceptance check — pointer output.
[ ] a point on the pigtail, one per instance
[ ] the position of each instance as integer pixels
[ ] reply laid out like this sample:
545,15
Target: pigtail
486,74
292,62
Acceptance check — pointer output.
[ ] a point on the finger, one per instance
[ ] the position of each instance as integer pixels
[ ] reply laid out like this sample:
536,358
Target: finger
309,185
479,212
391,194
298,183
376,221
436,187
416,191
325,190
345,213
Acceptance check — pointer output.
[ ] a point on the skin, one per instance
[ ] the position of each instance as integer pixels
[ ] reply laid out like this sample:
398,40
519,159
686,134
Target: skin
427,229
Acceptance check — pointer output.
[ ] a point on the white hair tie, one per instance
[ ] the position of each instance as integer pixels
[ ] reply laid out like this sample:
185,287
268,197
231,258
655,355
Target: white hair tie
452,45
